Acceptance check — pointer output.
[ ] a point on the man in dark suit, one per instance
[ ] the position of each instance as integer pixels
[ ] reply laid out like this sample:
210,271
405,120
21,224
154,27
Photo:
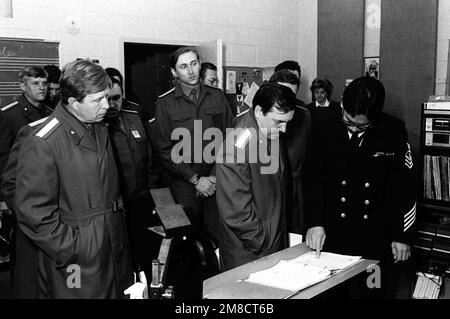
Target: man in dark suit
360,193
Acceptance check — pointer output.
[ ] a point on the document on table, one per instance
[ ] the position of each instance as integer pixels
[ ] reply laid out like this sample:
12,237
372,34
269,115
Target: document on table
302,272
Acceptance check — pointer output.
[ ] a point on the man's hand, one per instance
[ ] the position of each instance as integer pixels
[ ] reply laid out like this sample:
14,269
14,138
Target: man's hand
205,186
315,238
400,251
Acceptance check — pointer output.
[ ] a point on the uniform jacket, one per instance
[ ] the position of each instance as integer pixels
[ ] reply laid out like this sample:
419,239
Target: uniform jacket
251,204
21,112
334,107
132,150
175,110
365,200
66,186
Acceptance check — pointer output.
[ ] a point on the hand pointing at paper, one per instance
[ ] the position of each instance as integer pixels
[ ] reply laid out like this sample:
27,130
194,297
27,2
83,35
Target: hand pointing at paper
315,238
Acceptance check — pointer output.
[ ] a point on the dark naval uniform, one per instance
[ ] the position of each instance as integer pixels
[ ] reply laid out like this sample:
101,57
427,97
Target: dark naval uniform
21,112
132,150
364,197
295,139
67,203
174,110
251,201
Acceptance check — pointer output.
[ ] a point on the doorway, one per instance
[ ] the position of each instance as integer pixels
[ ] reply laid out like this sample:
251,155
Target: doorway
147,73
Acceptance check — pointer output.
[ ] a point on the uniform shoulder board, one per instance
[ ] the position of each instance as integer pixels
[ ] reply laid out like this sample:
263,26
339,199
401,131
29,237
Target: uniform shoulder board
242,113
36,123
243,138
9,106
48,128
130,111
152,120
133,103
168,92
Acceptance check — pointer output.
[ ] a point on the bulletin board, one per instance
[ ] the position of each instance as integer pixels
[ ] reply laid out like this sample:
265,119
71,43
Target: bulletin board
244,76
16,54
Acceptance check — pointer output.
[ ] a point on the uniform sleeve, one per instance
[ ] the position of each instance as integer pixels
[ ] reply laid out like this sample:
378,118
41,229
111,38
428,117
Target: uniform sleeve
8,180
404,184
6,141
234,197
227,123
36,200
313,180
165,144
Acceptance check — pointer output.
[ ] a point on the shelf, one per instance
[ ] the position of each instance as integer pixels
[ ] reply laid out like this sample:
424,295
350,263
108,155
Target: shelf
435,148
444,207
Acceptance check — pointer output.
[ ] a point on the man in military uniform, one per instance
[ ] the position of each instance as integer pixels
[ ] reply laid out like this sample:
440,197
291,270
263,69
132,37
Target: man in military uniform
361,190
53,90
192,181
28,107
251,191
130,141
295,139
67,194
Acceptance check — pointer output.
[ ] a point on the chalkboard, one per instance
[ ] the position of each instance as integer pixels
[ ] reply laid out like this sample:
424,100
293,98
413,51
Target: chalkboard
15,54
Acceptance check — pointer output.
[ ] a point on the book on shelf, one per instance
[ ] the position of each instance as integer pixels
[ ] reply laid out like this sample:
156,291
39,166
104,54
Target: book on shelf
436,174
428,286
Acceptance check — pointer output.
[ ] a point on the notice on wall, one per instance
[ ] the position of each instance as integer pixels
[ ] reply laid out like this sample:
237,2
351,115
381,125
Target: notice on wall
231,82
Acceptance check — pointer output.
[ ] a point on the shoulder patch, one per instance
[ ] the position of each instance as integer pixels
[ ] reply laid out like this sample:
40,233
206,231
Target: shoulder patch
9,106
129,111
152,120
242,113
243,138
168,92
48,128
36,123
133,103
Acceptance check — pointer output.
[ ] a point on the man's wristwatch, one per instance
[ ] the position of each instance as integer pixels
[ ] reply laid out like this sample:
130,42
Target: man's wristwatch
195,180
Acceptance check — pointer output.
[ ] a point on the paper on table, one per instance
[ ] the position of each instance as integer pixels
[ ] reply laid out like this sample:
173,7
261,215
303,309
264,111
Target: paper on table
302,272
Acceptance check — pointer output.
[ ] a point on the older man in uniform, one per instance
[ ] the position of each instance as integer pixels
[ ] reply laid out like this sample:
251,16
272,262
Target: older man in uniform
192,181
67,194
251,190
361,193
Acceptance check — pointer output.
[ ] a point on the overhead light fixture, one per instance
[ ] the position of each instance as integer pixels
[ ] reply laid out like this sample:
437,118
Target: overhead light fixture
6,10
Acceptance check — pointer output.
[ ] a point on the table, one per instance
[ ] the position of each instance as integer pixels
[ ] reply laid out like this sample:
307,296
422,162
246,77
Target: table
227,285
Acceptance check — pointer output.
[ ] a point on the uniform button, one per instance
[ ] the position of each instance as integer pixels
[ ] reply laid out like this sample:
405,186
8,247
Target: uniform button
367,202
72,132
366,217
343,215
25,109
343,199
367,185
344,183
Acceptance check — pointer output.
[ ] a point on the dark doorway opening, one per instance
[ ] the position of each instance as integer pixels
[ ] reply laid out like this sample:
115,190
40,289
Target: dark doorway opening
147,73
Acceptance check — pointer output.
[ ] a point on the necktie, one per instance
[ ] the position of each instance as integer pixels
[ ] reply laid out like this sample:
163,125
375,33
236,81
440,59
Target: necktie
193,96
354,142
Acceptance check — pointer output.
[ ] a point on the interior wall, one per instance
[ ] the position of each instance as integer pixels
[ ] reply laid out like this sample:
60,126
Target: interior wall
340,42
443,38
255,32
408,59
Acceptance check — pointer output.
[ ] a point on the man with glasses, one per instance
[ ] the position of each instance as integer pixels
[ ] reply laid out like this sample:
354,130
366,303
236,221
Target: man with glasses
360,195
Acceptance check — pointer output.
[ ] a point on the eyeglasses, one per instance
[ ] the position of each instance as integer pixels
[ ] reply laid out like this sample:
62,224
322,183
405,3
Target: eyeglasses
359,127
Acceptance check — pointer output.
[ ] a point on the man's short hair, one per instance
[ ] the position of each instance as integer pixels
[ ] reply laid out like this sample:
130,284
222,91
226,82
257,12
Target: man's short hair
288,65
274,95
82,77
32,72
54,73
322,83
206,66
112,72
175,55
285,76
364,96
